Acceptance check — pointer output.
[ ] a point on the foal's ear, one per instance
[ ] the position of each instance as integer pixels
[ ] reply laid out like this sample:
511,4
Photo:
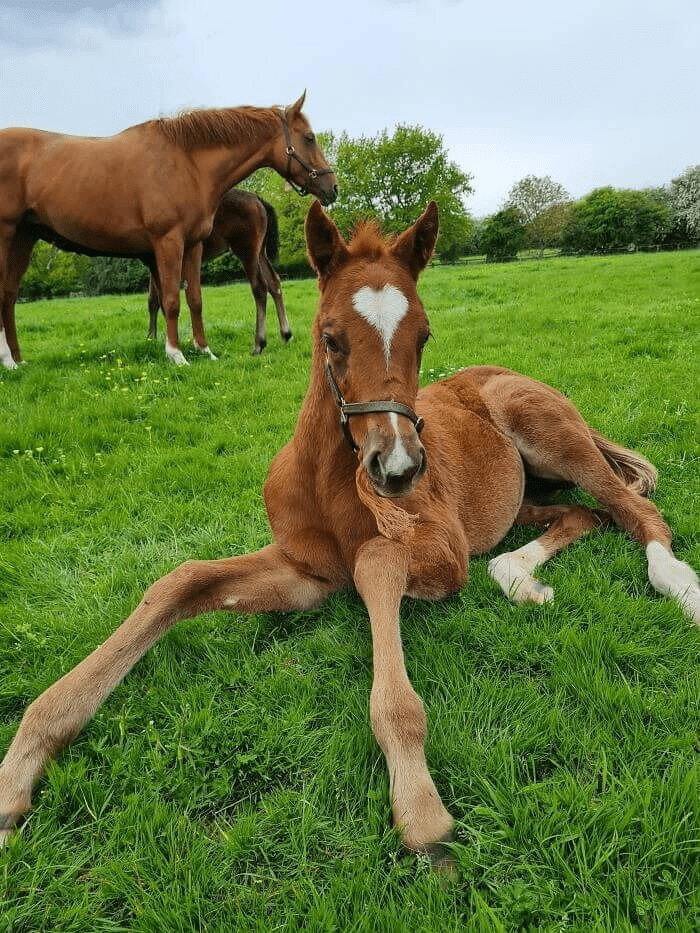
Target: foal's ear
415,246
293,109
325,247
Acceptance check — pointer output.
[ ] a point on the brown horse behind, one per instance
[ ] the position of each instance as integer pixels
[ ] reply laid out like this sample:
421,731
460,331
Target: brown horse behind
246,225
150,192
391,498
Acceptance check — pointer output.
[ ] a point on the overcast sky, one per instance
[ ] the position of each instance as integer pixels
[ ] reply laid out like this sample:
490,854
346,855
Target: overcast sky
590,92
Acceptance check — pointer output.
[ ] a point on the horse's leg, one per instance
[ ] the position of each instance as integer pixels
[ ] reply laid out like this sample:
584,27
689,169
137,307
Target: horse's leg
274,287
557,444
18,258
153,307
168,257
396,711
565,523
192,275
248,255
261,582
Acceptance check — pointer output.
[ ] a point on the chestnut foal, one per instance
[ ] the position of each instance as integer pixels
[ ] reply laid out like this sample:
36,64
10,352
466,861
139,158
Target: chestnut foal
392,498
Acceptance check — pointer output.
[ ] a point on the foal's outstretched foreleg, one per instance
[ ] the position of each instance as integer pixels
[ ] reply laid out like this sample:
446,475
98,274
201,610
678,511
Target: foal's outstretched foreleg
260,582
513,570
396,711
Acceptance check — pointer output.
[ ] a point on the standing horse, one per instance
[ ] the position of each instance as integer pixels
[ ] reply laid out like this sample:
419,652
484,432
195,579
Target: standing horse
150,191
246,225
392,497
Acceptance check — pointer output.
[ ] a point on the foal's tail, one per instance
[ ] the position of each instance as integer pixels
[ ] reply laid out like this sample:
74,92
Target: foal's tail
272,237
635,471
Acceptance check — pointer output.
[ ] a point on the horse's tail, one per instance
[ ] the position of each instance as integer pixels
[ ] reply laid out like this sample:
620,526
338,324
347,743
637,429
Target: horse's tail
272,237
635,471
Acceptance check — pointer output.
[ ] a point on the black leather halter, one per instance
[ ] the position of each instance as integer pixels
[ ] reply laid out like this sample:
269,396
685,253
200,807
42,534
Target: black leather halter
293,154
348,409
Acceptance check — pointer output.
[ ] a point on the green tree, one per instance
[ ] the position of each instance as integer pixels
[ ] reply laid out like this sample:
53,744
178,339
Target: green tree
684,201
392,178
609,219
52,273
502,235
539,201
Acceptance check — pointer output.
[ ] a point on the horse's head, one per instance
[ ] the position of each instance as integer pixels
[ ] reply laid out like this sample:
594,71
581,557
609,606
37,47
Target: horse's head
307,170
369,333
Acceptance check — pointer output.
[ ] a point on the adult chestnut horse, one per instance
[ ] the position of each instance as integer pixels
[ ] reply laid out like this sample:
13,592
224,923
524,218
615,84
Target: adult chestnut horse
391,498
150,192
246,225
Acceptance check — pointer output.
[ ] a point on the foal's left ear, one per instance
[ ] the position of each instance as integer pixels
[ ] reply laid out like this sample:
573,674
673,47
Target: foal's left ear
325,247
293,109
415,246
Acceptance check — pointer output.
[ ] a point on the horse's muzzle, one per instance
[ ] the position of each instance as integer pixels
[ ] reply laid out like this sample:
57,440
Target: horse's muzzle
394,463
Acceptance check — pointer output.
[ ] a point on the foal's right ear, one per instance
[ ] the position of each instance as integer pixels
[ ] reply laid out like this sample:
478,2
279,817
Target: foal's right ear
325,247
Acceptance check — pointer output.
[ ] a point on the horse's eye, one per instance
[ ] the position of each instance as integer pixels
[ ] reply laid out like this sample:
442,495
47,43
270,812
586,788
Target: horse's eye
310,138
331,344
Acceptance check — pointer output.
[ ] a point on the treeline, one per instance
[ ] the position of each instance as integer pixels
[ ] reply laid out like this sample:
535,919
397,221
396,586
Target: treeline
391,178
538,214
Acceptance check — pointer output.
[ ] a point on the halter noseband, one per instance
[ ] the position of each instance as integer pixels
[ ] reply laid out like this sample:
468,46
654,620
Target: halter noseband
293,154
348,409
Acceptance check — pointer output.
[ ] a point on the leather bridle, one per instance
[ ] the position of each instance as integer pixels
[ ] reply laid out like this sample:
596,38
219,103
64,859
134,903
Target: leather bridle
348,409
293,154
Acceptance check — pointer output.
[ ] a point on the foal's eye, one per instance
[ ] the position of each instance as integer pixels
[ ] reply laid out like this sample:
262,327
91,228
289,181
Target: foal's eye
331,344
310,138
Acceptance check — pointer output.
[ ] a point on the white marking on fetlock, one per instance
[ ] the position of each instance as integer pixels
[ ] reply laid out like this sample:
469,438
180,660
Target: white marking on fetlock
382,309
513,573
5,354
175,354
206,351
674,578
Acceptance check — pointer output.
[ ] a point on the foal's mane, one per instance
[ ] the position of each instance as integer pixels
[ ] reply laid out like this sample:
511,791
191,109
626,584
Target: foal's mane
205,129
368,241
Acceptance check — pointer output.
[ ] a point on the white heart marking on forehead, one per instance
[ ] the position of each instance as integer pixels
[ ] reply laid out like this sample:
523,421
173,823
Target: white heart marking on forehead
382,309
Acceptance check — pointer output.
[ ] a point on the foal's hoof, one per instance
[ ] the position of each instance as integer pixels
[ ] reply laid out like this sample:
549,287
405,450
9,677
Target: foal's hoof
440,857
287,336
8,824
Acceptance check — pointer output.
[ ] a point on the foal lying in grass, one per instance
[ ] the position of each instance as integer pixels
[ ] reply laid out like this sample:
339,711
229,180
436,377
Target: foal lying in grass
388,490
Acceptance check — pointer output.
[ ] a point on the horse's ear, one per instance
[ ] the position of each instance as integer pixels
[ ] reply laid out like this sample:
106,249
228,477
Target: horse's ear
325,247
415,246
295,108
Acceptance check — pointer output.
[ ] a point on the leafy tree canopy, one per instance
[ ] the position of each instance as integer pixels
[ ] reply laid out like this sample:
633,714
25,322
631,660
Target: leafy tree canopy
609,218
502,235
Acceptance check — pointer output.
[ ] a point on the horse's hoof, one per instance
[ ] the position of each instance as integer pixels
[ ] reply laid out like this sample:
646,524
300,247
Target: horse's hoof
287,336
8,824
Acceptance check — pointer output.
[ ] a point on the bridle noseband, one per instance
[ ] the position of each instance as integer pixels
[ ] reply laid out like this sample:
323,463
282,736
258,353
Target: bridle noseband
293,154
348,409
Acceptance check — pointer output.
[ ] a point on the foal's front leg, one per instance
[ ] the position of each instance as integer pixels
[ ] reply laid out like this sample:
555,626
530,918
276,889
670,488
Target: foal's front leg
396,711
261,582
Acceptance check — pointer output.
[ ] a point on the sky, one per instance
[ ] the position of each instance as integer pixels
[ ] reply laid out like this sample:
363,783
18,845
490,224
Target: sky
588,92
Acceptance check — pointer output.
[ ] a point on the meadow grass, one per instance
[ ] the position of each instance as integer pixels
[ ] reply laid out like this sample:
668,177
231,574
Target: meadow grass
232,781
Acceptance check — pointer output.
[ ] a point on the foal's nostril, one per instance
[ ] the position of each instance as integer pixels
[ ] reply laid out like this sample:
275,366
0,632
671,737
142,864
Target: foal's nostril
374,467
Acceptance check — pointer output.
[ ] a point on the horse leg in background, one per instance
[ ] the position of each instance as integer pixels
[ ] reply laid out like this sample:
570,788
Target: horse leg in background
168,256
260,582
565,523
274,287
192,276
16,263
396,711
557,444
153,306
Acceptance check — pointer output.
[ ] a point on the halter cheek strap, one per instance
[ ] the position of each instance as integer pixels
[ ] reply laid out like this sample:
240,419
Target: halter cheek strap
348,409
293,154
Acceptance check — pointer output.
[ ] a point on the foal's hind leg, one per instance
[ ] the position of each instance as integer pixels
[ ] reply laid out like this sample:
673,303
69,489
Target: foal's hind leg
556,443
565,523
274,287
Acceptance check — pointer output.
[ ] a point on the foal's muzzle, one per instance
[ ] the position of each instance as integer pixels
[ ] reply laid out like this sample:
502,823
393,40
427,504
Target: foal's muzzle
394,461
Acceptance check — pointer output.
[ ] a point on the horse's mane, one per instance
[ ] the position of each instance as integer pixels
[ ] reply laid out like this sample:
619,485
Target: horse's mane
368,241
203,129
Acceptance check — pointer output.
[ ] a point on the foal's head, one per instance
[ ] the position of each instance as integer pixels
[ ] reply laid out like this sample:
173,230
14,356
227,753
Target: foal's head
369,331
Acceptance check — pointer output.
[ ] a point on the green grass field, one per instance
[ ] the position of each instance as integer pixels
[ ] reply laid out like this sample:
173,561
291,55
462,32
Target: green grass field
232,782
